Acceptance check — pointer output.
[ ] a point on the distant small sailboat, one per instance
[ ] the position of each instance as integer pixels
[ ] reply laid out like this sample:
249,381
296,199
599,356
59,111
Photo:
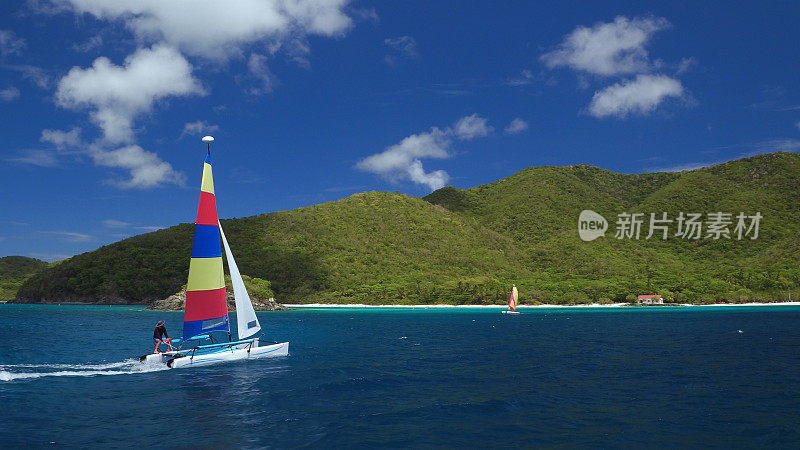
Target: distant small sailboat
206,310
512,302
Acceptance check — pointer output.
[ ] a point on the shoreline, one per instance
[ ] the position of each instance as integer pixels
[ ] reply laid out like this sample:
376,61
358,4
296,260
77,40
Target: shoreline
591,305
753,304
146,307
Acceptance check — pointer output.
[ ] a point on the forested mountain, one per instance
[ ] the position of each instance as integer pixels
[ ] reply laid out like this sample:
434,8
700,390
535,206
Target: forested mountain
470,245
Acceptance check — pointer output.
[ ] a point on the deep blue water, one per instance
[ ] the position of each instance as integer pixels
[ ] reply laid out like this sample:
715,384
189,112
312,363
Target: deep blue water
613,377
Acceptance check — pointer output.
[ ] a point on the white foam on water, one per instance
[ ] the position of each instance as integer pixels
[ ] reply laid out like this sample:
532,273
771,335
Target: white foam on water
11,372
68,366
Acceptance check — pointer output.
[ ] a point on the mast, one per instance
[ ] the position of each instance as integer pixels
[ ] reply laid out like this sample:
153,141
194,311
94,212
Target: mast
206,305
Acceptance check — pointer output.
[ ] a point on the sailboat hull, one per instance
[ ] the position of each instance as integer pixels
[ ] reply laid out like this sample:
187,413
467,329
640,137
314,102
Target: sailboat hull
232,353
510,312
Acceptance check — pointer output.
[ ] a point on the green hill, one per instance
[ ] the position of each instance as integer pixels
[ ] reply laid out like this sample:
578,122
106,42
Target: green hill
469,245
539,208
373,247
14,270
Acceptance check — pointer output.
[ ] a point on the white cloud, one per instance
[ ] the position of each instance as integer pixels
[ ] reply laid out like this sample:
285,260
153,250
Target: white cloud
611,48
198,128
62,139
473,126
403,47
779,145
525,78
685,65
113,223
298,50
116,224
32,73
70,236
324,17
798,125
117,94
365,14
150,228
147,170
10,44
41,158
216,29
93,43
641,95
9,93
684,167
434,180
257,66
750,149
404,159
516,126
615,49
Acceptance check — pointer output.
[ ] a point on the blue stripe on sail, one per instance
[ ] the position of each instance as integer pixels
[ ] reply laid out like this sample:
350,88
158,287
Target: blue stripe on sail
196,327
206,242
208,158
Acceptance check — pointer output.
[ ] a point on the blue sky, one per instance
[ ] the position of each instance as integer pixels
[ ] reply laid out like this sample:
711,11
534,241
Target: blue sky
104,103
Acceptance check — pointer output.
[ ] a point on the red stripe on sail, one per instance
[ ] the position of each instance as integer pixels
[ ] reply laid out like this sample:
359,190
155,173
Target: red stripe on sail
202,305
206,210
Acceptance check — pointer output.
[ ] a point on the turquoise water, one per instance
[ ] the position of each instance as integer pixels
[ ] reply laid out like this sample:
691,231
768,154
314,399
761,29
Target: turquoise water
363,378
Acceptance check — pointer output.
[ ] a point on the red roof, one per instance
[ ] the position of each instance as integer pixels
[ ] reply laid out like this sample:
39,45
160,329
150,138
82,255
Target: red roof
641,297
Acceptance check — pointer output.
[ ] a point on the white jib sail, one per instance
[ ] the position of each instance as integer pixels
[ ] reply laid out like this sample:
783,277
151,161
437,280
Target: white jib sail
245,315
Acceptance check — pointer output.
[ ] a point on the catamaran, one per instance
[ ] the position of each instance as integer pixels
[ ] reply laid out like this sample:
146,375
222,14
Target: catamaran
205,317
512,302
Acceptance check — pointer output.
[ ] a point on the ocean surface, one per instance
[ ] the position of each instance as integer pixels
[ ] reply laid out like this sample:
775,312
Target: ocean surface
450,377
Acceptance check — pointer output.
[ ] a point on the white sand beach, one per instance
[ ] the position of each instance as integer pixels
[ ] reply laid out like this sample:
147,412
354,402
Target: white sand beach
357,305
591,305
751,304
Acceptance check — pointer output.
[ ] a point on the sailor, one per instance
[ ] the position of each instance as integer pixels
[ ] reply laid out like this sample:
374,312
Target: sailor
160,335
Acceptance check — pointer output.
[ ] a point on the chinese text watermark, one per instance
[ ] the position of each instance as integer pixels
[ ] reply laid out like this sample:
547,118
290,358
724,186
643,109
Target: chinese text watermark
689,226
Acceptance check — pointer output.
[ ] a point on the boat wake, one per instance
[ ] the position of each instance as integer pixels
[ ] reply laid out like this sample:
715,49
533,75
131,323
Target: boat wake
12,372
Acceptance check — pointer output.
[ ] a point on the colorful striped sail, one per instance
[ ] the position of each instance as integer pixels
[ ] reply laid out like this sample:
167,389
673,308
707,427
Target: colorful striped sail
512,302
206,306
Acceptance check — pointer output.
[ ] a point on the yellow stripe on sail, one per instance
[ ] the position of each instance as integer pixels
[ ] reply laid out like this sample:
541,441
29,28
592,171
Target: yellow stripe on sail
205,274
512,303
208,180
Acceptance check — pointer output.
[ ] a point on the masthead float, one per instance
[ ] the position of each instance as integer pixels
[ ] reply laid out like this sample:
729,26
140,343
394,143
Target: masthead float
205,317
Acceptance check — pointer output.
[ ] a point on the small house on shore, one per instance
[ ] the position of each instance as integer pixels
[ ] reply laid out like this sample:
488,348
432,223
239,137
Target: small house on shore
649,300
